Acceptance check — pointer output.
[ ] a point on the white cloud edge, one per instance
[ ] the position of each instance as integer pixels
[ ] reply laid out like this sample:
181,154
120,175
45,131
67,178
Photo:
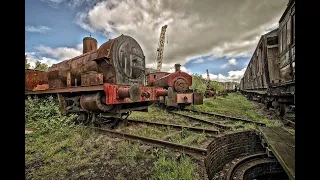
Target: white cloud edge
37,29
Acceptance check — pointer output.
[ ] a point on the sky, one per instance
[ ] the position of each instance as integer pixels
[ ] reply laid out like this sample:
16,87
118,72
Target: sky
218,35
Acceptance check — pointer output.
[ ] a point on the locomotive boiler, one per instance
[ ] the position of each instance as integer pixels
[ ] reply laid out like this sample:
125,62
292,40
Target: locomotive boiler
108,80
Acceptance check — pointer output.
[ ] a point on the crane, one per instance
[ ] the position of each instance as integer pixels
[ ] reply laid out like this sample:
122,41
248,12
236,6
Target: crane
161,47
208,78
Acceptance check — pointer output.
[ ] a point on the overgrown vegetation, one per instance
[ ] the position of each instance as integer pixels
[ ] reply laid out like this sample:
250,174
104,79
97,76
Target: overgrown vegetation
44,115
38,65
235,105
199,84
58,149
167,168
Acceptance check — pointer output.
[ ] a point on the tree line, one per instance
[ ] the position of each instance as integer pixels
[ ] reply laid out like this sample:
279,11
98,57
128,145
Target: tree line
199,84
38,65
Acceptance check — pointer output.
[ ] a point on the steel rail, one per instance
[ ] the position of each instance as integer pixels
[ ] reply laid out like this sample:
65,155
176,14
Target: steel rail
176,126
155,142
202,120
225,116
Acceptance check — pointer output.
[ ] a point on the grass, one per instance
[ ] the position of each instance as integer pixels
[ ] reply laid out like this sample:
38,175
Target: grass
236,105
156,114
154,132
58,149
167,168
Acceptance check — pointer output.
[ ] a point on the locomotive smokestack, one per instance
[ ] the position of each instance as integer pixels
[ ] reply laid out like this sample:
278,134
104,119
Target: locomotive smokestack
177,67
89,44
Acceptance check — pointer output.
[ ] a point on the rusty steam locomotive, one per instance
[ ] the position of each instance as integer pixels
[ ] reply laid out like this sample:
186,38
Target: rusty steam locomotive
110,80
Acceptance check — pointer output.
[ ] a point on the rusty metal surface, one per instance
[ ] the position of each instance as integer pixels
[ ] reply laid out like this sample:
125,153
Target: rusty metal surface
197,98
120,60
181,85
155,142
136,94
56,84
179,127
128,60
68,79
89,44
88,102
68,90
228,117
41,87
34,78
92,102
184,98
91,78
172,97
62,104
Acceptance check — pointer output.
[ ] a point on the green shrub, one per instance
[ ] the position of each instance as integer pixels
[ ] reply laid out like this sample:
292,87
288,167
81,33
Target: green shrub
199,84
44,115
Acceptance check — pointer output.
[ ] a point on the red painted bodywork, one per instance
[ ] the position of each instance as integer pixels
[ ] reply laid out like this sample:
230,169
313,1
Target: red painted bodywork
154,76
168,80
112,96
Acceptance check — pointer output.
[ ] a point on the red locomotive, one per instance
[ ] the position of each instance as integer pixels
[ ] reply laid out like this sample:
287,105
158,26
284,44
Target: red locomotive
109,80
177,91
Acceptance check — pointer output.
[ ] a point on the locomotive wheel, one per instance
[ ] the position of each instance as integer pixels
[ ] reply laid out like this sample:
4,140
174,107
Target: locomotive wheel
282,109
82,118
269,104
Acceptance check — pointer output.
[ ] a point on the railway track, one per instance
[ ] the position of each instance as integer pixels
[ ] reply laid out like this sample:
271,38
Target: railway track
175,126
194,151
221,126
226,117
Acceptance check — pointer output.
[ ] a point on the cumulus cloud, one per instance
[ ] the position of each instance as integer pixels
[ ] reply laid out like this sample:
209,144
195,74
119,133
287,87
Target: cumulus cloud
233,76
70,3
198,61
32,59
37,29
182,68
223,28
60,53
230,62
51,56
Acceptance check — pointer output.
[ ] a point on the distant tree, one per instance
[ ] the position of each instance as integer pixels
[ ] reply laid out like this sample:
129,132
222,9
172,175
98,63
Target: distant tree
198,84
27,65
217,86
41,66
